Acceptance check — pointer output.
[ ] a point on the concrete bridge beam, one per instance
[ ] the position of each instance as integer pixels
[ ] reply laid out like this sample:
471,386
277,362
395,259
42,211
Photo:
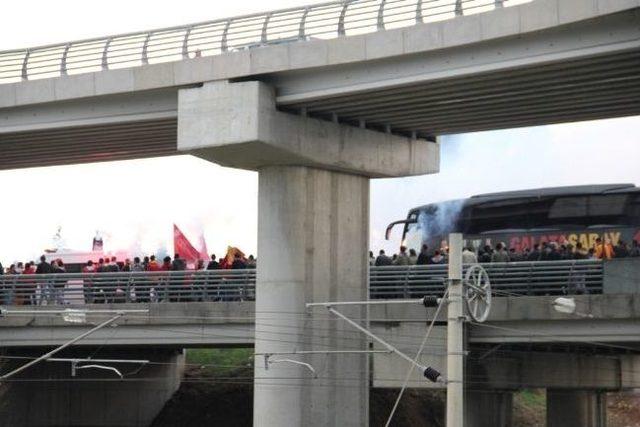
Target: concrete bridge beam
48,395
238,125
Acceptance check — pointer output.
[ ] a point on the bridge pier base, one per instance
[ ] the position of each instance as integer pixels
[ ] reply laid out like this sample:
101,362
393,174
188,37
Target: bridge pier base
312,227
576,408
485,408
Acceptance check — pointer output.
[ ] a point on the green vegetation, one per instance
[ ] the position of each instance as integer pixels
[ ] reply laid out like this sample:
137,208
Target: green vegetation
220,360
532,398
529,408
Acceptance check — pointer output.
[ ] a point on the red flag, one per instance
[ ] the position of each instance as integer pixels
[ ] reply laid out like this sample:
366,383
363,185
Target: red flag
183,247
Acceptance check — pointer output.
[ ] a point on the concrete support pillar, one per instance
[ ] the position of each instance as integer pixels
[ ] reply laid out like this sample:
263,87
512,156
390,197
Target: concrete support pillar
313,220
312,244
488,408
575,408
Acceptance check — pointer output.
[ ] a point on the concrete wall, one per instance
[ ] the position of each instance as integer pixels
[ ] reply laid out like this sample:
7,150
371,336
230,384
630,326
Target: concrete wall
47,395
177,325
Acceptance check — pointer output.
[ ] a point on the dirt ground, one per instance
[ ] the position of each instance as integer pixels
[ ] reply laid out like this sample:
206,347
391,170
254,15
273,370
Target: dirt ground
623,410
228,401
207,399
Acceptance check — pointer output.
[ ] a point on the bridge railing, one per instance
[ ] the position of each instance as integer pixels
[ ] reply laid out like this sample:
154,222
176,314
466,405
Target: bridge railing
515,278
319,21
125,287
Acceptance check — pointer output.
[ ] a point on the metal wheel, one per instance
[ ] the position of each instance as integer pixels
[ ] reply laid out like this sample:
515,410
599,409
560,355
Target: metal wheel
477,292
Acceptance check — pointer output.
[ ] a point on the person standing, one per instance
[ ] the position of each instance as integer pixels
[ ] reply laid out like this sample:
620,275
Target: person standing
238,263
485,255
57,267
580,252
500,254
29,286
212,292
213,264
178,263
423,256
45,285
413,257
251,262
603,250
403,258
87,282
468,256
535,254
382,259
437,258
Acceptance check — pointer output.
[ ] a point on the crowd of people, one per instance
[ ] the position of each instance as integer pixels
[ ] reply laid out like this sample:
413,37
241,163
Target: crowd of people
147,263
24,286
36,284
546,251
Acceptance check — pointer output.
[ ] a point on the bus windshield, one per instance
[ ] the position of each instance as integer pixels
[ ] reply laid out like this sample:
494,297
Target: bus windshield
432,224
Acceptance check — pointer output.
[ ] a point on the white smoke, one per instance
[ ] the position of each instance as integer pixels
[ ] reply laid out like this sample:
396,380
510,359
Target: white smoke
439,221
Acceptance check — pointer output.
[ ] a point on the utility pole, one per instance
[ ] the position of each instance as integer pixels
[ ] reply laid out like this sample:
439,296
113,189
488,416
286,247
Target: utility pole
455,335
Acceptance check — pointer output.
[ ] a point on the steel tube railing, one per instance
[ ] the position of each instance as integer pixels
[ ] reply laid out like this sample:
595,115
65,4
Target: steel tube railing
515,278
325,20
124,47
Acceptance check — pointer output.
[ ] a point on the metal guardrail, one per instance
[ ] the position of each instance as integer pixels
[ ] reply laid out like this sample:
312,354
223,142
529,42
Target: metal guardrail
325,20
507,279
125,287
515,278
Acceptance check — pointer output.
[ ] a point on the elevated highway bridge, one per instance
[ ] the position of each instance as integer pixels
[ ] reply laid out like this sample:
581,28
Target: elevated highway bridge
406,67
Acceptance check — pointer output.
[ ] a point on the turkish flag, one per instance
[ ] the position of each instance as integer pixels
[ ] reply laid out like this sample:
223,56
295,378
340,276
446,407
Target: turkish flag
183,247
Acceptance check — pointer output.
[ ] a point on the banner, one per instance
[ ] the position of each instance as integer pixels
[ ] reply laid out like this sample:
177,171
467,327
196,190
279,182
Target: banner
183,247
227,261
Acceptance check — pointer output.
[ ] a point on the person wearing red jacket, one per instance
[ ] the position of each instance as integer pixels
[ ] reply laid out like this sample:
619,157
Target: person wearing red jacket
153,264
165,287
87,282
29,293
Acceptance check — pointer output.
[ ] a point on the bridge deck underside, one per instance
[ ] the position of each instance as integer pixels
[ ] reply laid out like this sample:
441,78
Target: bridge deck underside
94,143
597,87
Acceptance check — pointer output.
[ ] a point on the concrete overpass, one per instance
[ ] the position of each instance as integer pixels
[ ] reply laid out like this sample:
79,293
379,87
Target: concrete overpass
524,343
539,62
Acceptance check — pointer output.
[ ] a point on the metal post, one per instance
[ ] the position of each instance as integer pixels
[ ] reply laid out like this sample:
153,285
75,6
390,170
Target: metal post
455,336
